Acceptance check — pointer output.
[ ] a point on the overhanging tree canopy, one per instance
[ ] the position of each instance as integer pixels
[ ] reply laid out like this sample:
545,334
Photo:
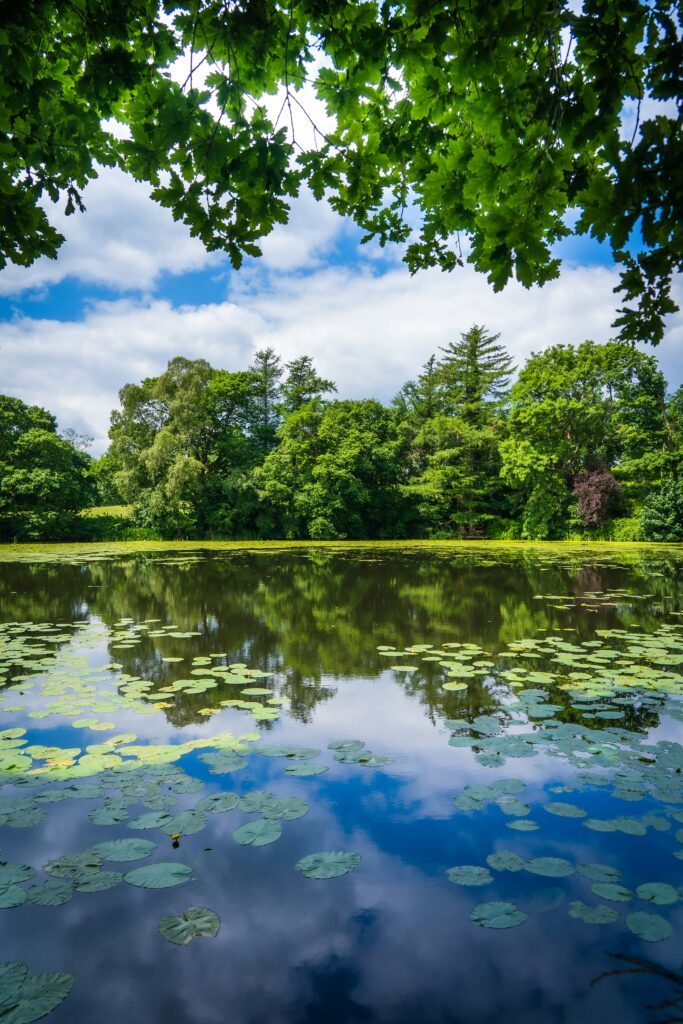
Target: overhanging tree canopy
470,131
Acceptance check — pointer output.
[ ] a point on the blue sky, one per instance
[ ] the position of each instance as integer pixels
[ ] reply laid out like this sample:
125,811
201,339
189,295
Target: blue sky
131,289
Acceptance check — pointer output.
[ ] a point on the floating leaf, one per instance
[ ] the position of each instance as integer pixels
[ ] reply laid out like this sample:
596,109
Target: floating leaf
497,915
612,891
35,997
330,864
599,914
260,832
193,923
10,873
303,771
469,874
100,882
563,810
649,927
52,893
505,860
598,872
550,867
11,895
121,850
659,893
162,875
218,803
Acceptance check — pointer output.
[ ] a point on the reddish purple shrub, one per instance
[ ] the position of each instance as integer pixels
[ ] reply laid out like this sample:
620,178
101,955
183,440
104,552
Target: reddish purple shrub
598,496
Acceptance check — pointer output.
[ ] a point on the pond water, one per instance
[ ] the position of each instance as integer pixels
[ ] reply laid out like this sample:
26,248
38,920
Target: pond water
483,742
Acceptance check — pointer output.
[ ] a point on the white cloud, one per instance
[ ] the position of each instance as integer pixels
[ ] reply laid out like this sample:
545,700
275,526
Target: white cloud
370,333
124,240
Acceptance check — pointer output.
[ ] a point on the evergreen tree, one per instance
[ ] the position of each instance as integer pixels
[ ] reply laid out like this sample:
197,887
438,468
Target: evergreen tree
302,384
419,400
267,370
474,374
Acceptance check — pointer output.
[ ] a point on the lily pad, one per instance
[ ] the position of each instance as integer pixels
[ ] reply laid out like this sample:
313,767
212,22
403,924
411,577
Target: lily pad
498,914
303,771
162,875
599,914
260,832
563,810
612,891
52,893
218,803
11,895
505,860
330,864
549,867
649,927
469,874
193,923
659,893
120,850
100,882
34,997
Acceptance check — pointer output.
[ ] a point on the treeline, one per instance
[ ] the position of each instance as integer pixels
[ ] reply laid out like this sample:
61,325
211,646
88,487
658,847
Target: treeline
587,443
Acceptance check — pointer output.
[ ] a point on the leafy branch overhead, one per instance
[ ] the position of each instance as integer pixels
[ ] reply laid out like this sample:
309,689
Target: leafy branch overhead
474,132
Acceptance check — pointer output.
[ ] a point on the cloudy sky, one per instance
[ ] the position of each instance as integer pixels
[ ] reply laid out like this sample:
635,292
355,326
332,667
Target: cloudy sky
131,289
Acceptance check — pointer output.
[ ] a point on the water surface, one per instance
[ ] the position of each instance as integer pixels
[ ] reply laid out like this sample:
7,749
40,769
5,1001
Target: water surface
568,672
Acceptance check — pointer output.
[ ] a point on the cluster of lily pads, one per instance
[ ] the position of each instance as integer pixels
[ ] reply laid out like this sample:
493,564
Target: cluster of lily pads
581,706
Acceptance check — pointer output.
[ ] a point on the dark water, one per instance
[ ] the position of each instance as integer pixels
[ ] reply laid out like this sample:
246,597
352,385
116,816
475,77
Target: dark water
391,942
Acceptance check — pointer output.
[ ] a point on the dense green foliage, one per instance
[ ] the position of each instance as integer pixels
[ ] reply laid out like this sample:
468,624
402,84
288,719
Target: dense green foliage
575,448
586,444
500,122
44,479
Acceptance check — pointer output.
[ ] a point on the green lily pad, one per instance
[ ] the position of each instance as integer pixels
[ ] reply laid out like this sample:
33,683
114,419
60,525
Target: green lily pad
469,874
612,891
649,927
193,923
52,893
187,823
12,977
563,810
599,914
11,895
549,867
303,771
659,893
598,872
505,860
260,832
100,882
34,997
10,873
330,864
121,850
498,914
74,865
162,875
218,803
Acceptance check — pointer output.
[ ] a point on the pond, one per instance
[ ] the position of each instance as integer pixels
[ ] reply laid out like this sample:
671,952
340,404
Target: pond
385,783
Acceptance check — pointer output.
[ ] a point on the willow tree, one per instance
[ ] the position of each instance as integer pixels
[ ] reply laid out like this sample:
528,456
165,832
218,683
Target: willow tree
500,124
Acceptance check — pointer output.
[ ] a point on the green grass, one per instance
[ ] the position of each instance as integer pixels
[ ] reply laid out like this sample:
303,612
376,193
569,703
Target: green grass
119,511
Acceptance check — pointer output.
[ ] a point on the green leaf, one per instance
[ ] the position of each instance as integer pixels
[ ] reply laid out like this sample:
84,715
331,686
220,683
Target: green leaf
330,864
260,832
162,875
498,915
192,923
121,850
649,927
